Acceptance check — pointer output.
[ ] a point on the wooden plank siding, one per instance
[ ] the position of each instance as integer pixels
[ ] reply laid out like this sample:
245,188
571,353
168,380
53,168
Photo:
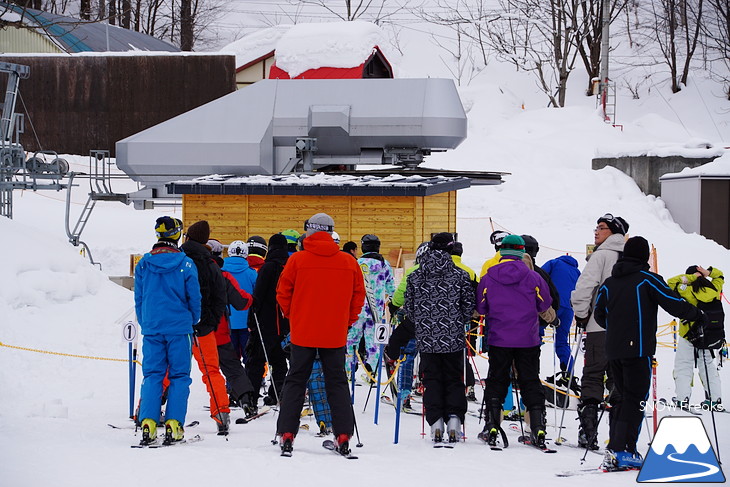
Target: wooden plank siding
401,222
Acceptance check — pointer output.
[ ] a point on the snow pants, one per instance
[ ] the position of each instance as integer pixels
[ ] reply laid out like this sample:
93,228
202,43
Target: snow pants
335,384
205,352
632,378
684,365
318,395
443,380
595,368
527,363
239,339
165,354
235,374
257,359
362,328
562,346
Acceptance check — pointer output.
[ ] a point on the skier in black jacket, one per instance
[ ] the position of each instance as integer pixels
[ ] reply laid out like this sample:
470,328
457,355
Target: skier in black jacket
267,321
626,306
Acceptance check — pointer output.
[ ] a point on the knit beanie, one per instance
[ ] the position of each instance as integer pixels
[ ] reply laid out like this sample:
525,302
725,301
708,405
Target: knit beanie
637,248
512,245
199,231
277,242
615,223
457,249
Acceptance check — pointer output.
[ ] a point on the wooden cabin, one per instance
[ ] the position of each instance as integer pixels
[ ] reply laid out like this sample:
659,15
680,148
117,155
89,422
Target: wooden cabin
402,211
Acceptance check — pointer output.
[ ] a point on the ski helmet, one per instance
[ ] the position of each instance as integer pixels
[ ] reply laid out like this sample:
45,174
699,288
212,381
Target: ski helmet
238,248
336,237
422,249
292,236
168,228
496,238
215,246
531,245
370,243
256,245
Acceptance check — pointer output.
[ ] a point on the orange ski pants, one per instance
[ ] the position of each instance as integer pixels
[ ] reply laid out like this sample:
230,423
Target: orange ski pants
212,377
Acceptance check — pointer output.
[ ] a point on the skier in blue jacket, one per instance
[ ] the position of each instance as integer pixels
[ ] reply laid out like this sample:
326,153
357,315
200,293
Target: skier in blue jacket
167,302
564,273
245,275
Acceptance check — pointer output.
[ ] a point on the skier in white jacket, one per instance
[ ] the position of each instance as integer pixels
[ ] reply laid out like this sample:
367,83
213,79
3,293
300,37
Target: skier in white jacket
609,237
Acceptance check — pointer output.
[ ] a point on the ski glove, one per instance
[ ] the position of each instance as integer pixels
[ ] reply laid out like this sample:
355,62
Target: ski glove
555,323
582,322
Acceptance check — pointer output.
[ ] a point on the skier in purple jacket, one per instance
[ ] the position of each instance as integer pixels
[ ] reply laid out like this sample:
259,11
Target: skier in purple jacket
511,296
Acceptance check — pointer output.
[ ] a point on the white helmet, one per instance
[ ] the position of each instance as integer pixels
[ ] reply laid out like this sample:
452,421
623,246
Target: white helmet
336,237
238,248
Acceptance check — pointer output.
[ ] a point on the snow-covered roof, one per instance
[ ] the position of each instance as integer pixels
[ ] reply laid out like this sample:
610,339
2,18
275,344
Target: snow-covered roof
320,184
719,168
332,45
693,148
75,35
257,44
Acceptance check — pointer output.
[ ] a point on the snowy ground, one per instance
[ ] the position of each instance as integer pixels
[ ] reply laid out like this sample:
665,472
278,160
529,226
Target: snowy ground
54,408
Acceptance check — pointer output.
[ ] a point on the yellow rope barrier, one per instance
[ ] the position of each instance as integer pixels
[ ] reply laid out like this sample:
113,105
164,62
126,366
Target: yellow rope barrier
373,379
66,354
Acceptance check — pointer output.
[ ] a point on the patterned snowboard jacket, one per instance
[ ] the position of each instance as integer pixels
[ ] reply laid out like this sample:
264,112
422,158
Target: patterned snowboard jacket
440,301
379,283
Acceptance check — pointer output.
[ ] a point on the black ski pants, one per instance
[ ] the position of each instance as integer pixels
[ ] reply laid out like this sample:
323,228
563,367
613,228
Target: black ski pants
443,381
257,359
335,384
595,368
230,364
632,378
527,363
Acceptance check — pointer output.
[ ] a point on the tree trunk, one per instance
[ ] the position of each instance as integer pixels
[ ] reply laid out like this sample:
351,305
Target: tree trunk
186,25
85,10
126,14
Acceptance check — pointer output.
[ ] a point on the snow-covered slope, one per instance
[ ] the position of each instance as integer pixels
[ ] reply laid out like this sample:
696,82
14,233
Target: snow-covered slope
54,408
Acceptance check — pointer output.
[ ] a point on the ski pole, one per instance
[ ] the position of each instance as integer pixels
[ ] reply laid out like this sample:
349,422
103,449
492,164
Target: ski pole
712,409
380,371
266,357
517,399
354,422
570,381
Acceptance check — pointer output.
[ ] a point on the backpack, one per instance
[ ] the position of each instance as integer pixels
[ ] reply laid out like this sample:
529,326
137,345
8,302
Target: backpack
709,333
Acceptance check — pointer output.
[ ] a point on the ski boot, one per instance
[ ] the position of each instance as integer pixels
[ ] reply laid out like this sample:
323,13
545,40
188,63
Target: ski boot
609,463
149,431
323,429
286,442
223,422
587,433
173,431
490,433
453,428
537,427
471,394
437,431
248,404
343,444
681,404
716,406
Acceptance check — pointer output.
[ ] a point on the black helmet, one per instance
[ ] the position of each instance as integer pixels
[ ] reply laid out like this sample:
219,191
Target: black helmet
370,243
531,245
496,238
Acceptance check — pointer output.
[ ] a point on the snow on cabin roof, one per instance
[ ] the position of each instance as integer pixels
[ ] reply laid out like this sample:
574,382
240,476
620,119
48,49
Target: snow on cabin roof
257,44
719,168
320,184
332,45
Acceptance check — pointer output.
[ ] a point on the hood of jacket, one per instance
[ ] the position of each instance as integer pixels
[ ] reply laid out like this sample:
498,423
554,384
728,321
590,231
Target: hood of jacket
191,247
568,260
278,255
627,265
321,243
509,271
165,262
614,242
235,264
435,263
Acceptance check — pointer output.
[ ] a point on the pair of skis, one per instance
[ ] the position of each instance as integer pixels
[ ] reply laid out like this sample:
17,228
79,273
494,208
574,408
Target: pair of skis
327,445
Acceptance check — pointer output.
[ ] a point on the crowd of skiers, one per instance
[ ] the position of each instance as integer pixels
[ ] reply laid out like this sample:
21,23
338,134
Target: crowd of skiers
263,305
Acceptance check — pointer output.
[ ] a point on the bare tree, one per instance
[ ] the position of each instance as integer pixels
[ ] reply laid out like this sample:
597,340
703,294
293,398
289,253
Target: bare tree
375,11
717,35
677,26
